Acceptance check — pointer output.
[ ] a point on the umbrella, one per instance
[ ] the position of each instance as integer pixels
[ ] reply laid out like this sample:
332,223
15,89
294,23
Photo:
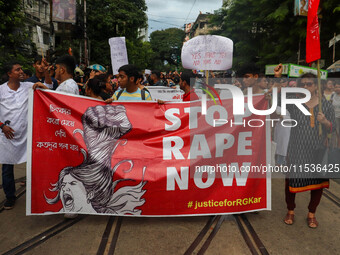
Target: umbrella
97,67
335,67
78,72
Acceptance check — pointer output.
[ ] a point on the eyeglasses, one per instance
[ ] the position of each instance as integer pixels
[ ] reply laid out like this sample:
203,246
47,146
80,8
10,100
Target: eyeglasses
308,84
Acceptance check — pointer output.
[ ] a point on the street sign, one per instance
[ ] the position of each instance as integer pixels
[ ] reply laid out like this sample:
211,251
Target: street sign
334,40
295,71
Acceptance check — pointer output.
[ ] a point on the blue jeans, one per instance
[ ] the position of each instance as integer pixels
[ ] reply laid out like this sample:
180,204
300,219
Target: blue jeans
8,182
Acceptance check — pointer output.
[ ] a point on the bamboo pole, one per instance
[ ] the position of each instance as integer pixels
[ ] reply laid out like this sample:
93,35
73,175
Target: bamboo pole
42,52
319,94
207,77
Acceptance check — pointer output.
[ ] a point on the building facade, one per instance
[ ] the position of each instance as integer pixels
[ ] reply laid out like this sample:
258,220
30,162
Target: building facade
199,27
37,13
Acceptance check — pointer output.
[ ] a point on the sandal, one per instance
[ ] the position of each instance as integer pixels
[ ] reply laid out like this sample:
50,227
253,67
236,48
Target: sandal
289,219
312,222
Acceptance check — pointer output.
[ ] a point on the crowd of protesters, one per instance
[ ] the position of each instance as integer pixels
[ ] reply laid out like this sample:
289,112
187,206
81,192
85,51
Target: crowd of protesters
295,145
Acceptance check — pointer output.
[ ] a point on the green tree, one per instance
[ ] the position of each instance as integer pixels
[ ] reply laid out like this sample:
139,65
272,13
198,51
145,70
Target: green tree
267,32
14,40
140,53
113,18
167,45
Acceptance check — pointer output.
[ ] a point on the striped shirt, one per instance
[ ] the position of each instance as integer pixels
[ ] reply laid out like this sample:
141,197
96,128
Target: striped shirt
135,96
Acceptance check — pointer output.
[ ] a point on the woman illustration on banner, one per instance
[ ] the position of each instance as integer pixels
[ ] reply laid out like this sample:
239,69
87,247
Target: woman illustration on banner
90,187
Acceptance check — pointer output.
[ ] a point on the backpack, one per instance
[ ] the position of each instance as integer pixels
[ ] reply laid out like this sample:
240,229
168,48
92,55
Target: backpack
142,93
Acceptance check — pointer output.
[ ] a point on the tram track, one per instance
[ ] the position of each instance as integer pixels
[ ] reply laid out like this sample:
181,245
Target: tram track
201,235
248,233
110,236
19,192
250,236
43,237
332,197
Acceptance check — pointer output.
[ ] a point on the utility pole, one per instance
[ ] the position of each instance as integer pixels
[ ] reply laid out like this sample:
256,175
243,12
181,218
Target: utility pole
86,56
334,48
299,53
51,31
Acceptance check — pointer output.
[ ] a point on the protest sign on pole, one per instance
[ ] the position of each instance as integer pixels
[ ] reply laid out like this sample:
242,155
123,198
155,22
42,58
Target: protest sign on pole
207,52
119,55
313,50
144,159
40,39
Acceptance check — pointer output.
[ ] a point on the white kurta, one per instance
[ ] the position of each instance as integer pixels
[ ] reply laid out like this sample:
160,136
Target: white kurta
14,107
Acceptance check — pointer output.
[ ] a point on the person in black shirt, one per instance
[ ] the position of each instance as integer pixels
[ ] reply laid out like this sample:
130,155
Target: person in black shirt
40,72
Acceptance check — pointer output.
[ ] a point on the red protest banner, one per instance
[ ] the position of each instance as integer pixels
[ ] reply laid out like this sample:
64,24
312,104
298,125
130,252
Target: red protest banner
138,158
313,36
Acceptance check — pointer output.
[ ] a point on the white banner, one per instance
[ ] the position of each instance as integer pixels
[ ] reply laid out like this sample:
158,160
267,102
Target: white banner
166,93
169,94
297,71
119,55
208,52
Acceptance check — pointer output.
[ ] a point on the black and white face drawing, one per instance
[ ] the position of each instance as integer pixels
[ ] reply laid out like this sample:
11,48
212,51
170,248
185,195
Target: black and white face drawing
90,187
72,195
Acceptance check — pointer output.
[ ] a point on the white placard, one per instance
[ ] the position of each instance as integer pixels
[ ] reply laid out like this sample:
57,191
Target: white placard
208,52
119,55
40,37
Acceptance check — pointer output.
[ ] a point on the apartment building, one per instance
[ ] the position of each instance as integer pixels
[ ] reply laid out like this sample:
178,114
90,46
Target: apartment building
37,13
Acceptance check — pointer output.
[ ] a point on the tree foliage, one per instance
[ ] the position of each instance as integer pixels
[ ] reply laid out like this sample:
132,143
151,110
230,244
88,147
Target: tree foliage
113,18
167,45
267,32
139,53
14,40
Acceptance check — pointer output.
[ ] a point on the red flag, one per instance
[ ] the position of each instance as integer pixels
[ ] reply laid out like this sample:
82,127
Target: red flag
313,37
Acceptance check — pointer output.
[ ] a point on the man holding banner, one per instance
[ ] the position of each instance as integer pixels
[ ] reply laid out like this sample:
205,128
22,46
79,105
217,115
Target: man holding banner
13,124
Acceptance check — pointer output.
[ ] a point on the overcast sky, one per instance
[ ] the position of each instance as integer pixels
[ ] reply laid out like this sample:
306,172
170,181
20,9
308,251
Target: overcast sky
175,13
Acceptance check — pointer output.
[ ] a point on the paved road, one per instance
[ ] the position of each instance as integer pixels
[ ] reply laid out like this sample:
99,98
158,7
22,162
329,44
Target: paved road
262,233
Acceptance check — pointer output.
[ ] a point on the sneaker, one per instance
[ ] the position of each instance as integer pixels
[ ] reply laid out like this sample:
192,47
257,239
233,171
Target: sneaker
70,215
9,204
